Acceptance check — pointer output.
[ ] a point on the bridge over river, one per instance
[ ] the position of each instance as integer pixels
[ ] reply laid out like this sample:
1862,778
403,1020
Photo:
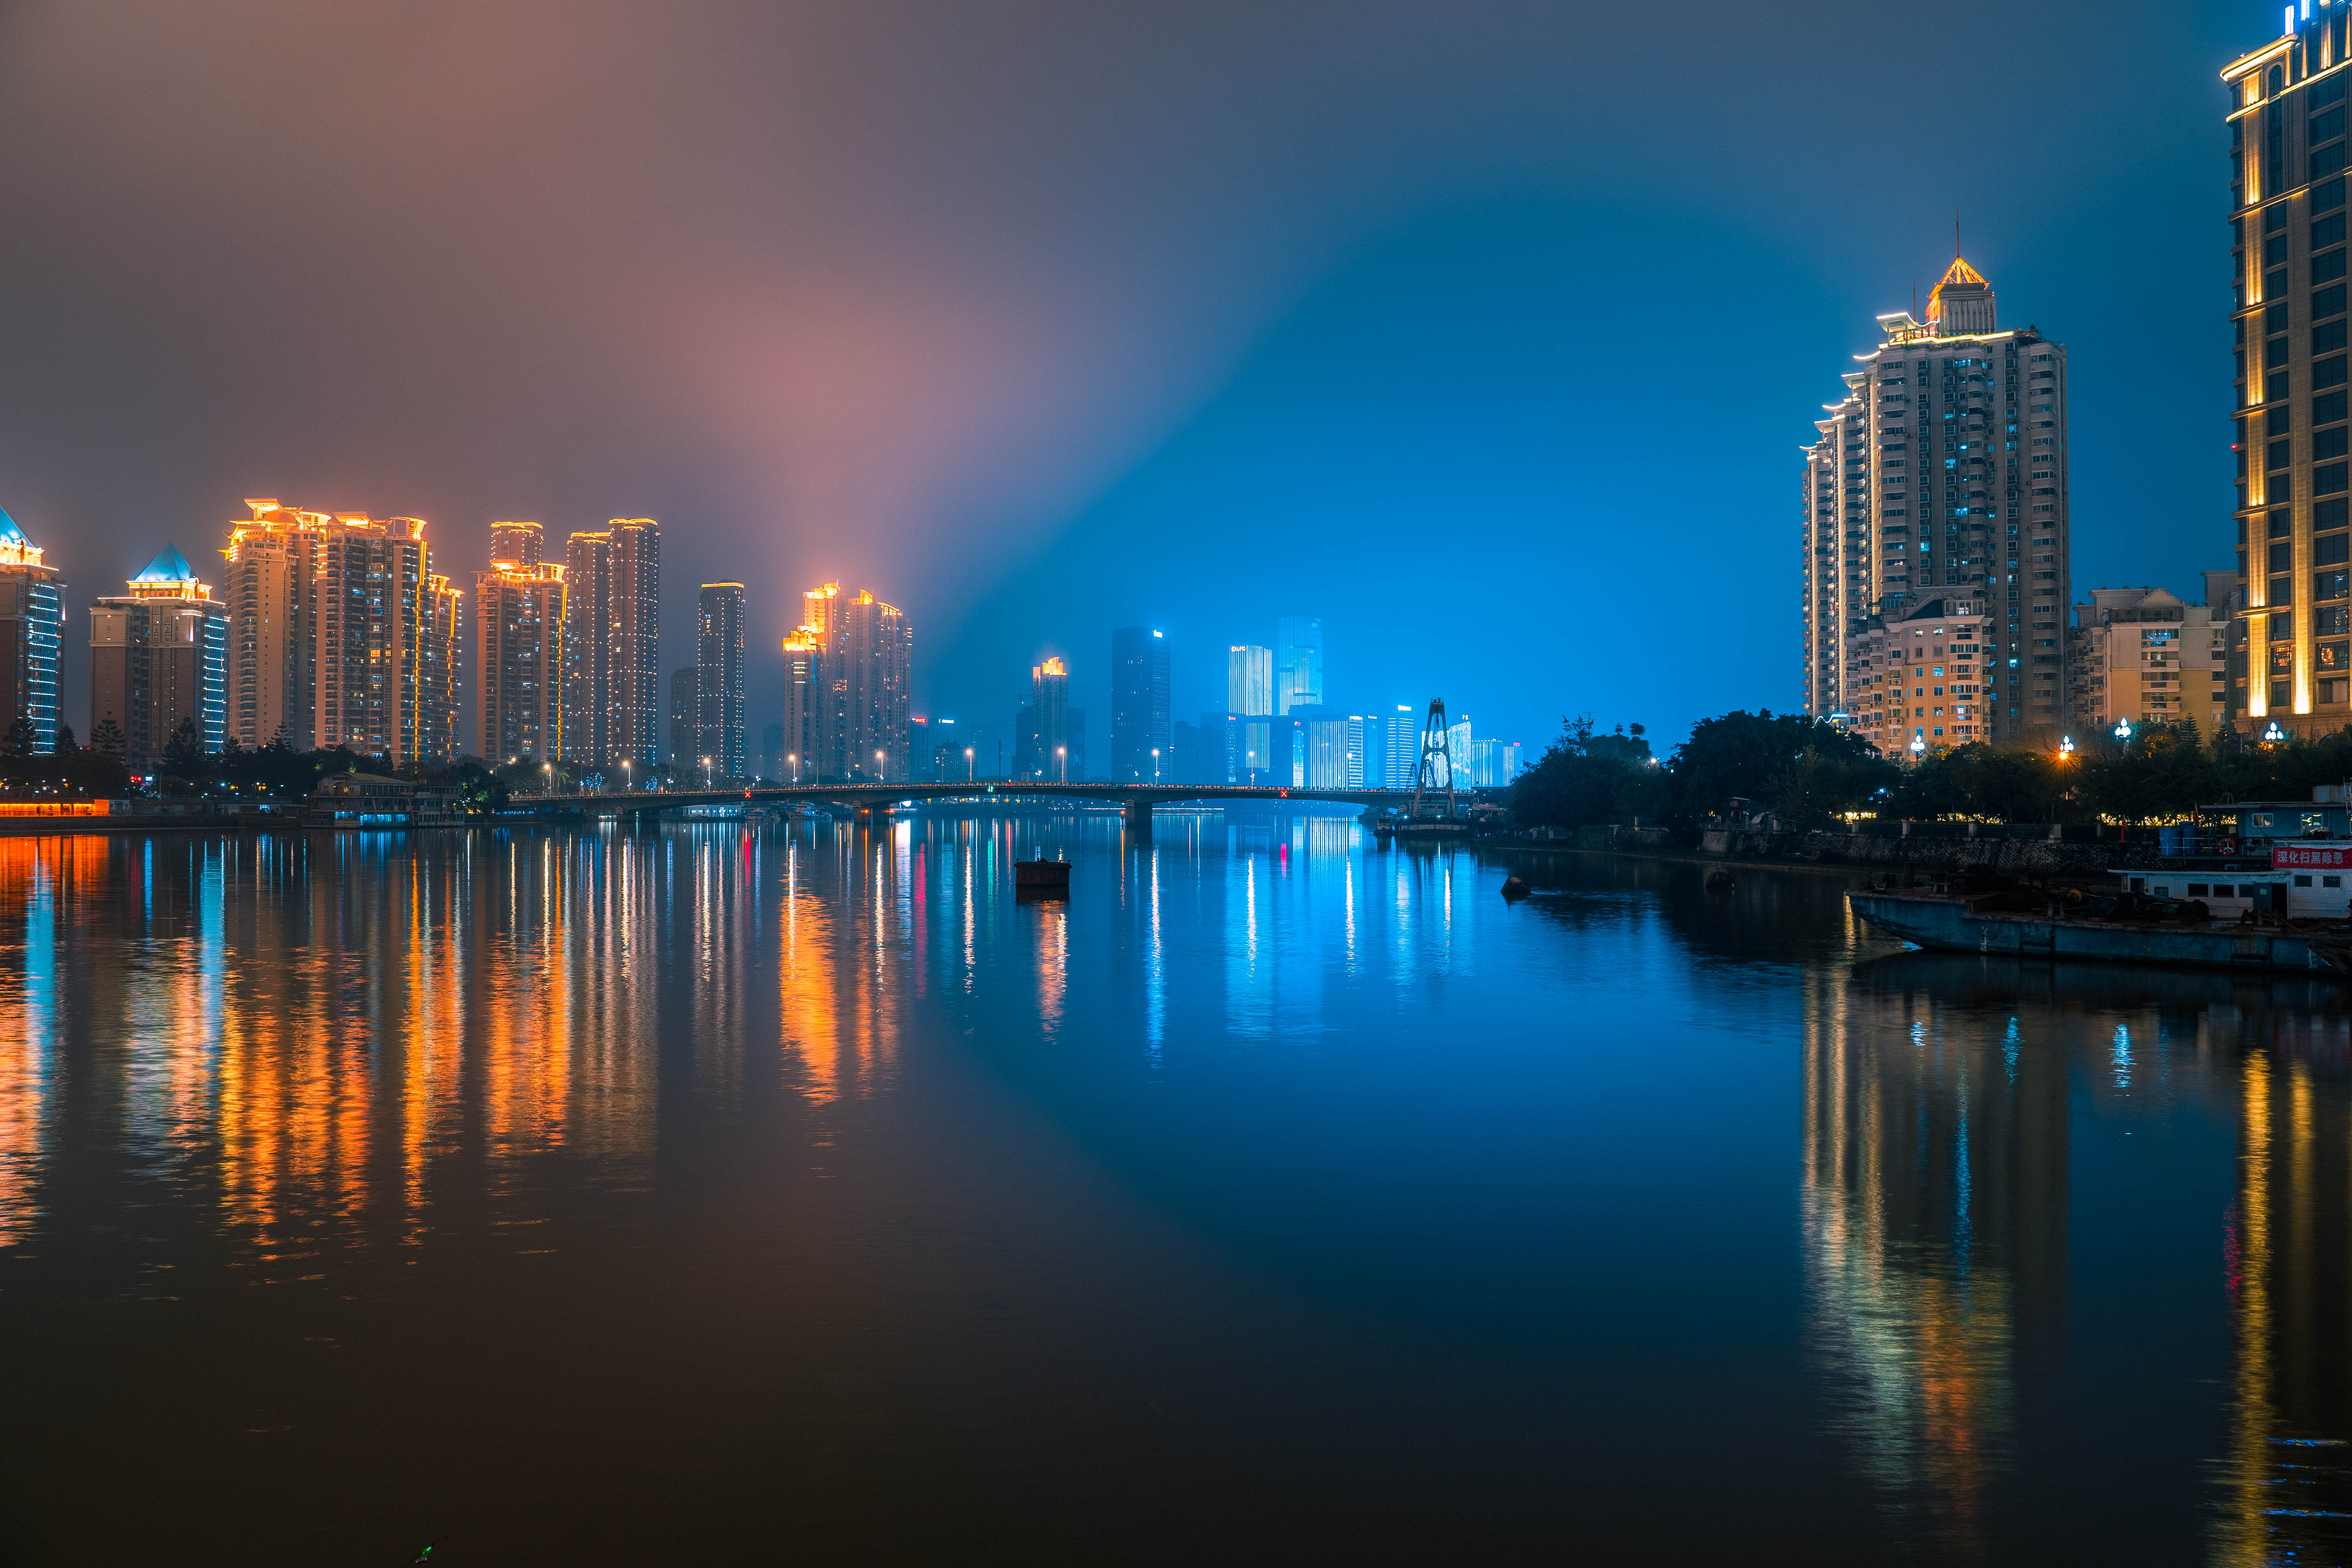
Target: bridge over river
1137,800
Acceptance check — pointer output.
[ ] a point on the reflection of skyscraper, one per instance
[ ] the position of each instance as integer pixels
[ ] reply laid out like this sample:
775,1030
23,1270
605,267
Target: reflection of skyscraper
1935,1190
1298,662
612,643
1049,701
718,664
159,658
519,624
1140,717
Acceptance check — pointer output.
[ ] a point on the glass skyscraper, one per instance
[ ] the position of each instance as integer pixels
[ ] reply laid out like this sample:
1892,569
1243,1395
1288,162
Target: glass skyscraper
1141,722
1298,663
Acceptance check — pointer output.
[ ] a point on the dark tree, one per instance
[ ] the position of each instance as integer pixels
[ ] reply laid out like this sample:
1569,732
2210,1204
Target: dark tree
183,754
109,737
18,741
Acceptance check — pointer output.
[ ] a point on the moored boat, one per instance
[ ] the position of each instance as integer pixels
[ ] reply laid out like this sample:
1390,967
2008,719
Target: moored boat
2123,929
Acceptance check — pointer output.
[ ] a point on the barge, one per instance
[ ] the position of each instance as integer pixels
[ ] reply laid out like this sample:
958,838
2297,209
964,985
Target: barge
2124,930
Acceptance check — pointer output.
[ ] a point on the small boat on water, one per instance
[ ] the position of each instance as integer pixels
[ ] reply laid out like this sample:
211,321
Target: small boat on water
2122,928
1041,879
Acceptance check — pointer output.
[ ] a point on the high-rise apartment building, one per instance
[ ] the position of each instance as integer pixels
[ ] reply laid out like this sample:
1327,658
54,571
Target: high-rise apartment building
803,705
1140,716
1049,704
330,625
685,749
2287,117
444,636
612,643
718,678
158,659
2142,654
1297,662
1942,474
520,616
860,654
32,634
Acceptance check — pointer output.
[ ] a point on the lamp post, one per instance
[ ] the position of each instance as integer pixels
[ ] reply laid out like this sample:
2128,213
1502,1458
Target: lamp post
970,768
2066,747
878,767
2123,730
548,769
1155,764
1063,752
796,765
625,775
1918,747
706,772
2274,735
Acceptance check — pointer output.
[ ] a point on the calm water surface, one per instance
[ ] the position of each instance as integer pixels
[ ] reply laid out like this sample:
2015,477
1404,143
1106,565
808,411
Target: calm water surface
716,1193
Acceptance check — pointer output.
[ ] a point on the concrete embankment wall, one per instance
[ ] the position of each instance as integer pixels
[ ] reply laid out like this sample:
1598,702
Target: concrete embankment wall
2025,851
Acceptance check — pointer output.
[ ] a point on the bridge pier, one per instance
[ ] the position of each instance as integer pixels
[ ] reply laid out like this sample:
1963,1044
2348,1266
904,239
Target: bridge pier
1139,818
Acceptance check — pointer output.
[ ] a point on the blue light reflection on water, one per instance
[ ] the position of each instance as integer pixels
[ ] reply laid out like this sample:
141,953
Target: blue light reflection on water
1276,1186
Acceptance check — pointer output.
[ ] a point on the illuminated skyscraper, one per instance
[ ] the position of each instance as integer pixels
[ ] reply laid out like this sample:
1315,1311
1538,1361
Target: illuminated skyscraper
32,631
861,665
1942,474
329,624
1298,663
1140,717
1049,703
521,615
2287,113
612,643
159,658
1249,693
719,680
684,749
803,706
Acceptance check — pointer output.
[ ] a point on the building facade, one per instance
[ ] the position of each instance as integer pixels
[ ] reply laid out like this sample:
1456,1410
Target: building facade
612,643
803,704
1943,471
32,636
2142,654
158,659
852,708
521,615
1297,662
331,629
1924,677
1049,718
1140,719
2286,119
444,640
718,678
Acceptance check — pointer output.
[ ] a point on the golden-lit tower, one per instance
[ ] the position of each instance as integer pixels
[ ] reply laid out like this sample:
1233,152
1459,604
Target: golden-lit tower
1940,476
612,643
2287,111
521,615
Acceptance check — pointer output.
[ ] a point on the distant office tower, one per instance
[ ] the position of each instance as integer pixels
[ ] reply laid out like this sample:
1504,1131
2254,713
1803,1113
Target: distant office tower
685,714
718,682
772,751
1297,662
612,643
1249,692
1249,680
1332,760
1075,769
444,637
1049,703
329,632
2142,654
1186,760
519,618
1139,715
1942,474
32,634
804,701
1457,749
1400,748
1492,763
862,655
158,659
2287,113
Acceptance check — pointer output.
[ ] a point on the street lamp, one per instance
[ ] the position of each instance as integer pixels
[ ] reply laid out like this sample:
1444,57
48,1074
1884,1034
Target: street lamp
706,772
796,766
625,775
548,769
2123,729
1155,764
877,765
1063,754
1918,747
970,768
2066,747
2274,735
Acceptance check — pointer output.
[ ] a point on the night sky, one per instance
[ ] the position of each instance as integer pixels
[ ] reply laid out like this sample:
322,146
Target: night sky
1488,333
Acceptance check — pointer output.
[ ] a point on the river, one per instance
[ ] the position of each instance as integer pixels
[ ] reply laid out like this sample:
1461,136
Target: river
725,1191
